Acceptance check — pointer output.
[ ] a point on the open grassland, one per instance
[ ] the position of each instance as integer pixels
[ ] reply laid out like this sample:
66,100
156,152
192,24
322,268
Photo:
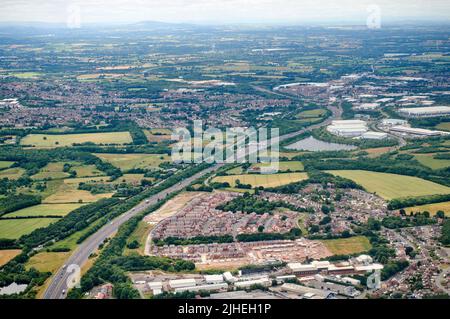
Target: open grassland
348,246
12,173
311,114
290,155
87,171
390,186
15,228
283,166
68,193
443,126
256,180
428,160
94,179
45,210
431,208
5,164
47,261
140,235
50,140
130,161
51,171
7,255
132,179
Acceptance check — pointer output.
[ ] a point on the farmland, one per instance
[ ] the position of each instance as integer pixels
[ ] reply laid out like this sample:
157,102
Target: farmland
5,164
51,171
68,193
12,173
390,186
15,228
50,140
257,180
283,166
431,208
45,210
347,246
428,160
47,261
131,161
7,255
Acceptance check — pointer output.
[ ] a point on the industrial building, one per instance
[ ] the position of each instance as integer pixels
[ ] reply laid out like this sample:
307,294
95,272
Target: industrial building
348,128
248,283
393,122
431,111
307,292
419,132
211,287
374,135
181,283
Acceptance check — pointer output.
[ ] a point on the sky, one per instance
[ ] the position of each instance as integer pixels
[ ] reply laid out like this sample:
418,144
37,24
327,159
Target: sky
223,11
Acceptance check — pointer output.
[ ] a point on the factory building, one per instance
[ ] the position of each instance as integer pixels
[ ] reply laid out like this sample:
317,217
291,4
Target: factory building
432,111
307,292
248,283
393,122
419,132
181,283
348,128
374,135
211,287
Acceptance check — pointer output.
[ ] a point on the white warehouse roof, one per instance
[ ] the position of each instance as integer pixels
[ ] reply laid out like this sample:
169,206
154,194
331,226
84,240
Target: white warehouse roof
178,283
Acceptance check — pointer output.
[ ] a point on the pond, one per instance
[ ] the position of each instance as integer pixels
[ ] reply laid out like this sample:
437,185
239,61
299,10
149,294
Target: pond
314,145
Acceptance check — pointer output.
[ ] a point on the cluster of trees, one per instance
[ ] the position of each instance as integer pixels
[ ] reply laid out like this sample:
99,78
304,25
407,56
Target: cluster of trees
12,203
417,201
445,236
252,204
194,240
291,235
393,267
316,177
394,222
8,186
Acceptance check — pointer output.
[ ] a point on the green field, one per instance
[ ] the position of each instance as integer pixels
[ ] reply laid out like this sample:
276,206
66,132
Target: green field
47,261
428,160
348,246
284,166
51,171
5,164
50,140
68,192
445,126
431,208
87,171
311,114
12,173
129,161
45,210
15,228
390,186
256,180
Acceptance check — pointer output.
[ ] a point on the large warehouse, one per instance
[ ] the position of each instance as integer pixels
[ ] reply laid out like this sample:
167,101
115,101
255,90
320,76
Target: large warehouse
431,111
348,128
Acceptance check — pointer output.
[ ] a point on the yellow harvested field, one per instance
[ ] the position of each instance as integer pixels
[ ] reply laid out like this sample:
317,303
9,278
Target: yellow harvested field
347,246
131,179
130,161
431,208
7,255
68,193
47,261
157,135
50,140
283,166
265,180
87,171
390,186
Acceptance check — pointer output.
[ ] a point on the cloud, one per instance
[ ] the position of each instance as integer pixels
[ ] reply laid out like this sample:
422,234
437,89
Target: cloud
220,10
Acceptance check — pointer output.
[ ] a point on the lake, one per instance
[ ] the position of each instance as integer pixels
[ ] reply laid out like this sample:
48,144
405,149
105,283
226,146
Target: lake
314,145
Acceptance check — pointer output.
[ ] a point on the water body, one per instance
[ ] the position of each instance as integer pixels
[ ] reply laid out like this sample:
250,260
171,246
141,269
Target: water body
314,145
13,288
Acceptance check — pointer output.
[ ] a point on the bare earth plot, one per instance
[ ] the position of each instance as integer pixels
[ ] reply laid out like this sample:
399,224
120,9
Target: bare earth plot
390,186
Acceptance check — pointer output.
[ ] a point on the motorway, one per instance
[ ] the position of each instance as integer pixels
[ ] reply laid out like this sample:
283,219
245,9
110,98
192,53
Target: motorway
57,288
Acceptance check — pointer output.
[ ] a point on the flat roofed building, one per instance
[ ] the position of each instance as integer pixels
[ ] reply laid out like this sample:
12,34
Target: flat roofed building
431,111
415,131
179,283
374,135
213,279
212,287
393,122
